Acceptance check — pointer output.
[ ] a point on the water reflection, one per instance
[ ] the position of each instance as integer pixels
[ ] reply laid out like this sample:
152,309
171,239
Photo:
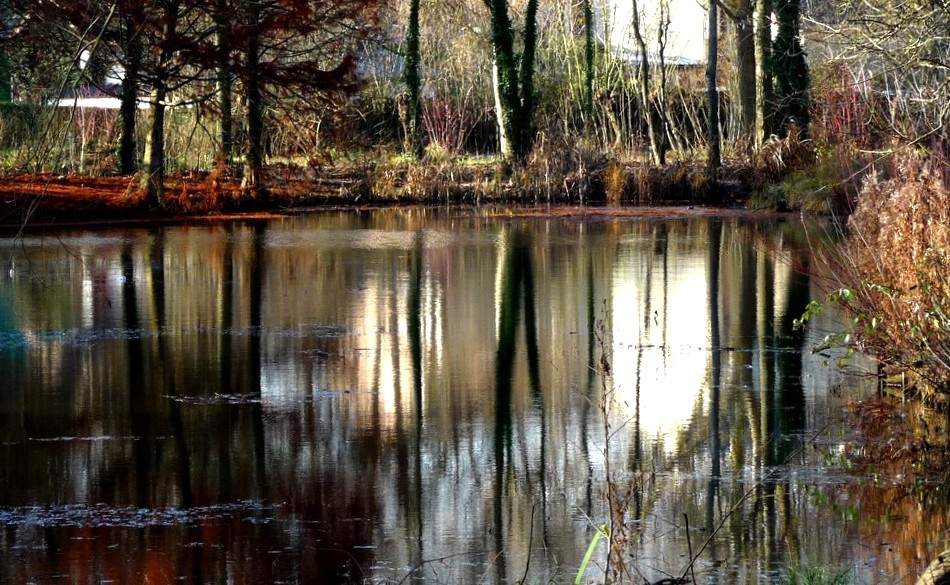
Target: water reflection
372,395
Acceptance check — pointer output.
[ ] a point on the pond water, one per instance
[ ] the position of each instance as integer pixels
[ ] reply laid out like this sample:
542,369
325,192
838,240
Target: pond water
432,396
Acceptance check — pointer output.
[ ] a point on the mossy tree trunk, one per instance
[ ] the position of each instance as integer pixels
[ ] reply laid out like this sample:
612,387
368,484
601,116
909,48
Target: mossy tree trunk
514,78
745,66
790,70
155,150
413,81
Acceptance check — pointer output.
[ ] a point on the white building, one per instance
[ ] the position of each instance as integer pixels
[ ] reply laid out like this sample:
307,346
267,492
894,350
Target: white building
685,36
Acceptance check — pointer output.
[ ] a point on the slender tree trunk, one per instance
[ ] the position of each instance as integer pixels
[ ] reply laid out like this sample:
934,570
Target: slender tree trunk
764,94
506,78
526,112
225,85
588,60
745,66
128,106
643,70
254,161
504,144
661,122
413,84
713,158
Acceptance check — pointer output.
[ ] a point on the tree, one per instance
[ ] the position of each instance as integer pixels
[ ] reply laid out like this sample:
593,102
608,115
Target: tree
165,19
713,157
225,78
764,94
130,20
790,68
513,78
297,51
741,14
900,51
413,84
643,68
588,60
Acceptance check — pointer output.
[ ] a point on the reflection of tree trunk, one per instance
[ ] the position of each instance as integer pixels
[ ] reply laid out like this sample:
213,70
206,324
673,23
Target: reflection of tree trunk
138,383
790,363
517,287
414,326
226,365
767,362
715,342
591,379
253,368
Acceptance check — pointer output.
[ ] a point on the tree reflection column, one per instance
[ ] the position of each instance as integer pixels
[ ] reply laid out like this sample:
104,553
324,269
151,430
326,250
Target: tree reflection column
516,291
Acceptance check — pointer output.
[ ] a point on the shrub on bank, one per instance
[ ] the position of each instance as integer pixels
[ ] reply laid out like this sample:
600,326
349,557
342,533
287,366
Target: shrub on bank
894,271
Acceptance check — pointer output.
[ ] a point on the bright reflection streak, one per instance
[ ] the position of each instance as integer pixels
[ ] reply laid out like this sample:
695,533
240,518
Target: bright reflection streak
660,340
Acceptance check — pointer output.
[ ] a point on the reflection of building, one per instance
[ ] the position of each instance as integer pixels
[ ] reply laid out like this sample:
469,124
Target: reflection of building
660,324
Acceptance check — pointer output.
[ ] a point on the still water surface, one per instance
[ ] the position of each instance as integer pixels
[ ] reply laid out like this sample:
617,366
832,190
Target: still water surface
419,396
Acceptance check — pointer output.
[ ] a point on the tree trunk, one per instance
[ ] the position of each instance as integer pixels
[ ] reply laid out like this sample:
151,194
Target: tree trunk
791,71
514,79
713,158
504,145
225,85
660,111
413,84
764,94
155,150
128,107
745,67
253,183
6,87
526,111
643,70
588,61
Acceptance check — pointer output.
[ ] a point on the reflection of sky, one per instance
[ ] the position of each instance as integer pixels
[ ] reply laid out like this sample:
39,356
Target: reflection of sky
660,338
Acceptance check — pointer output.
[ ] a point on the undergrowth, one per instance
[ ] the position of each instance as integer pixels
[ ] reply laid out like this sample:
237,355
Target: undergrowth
892,272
